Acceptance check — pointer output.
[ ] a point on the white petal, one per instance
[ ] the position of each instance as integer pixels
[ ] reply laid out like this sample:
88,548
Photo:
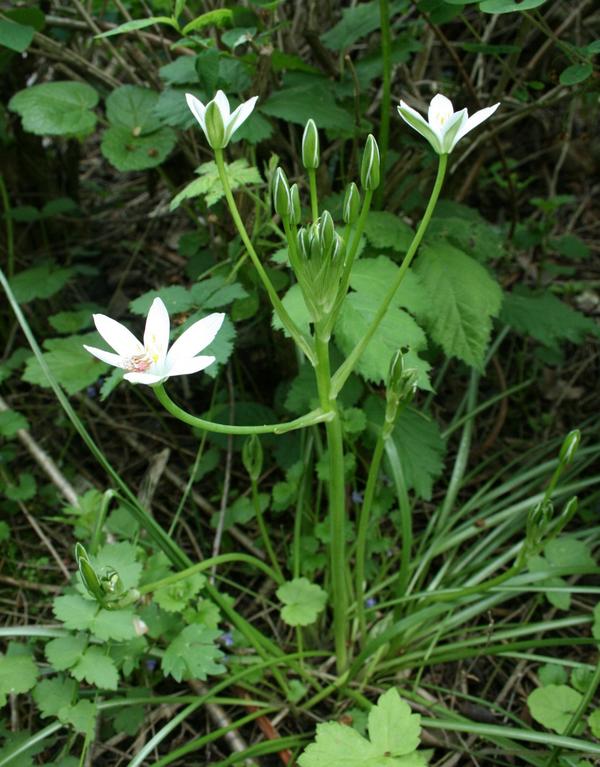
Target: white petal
194,339
239,116
108,357
451,128
198,109
223,104
440,111
476,120
118,336
144,378
183,367
156,334
418,122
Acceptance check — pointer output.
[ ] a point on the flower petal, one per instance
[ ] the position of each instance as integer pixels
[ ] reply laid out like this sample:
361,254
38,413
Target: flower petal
439,112
451,128
475,120
194,339
108,357
183,367
197,108
223,103
118,336
239,116
418,122
144,378
156,334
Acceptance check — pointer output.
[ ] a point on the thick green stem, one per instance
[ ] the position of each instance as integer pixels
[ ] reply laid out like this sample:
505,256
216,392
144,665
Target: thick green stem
310,419
314,199
337,503
386,97
280,310
264,530
361,538
347,366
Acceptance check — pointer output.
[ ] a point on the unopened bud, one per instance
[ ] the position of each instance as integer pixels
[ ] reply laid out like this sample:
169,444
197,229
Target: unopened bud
351,207
215,128
310,146
281,195
326,232
87,573
252,457
401,388
296,208
369,171
569,447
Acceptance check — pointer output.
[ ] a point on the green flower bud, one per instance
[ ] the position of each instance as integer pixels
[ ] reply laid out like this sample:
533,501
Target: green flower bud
281,195
296,208
87,574
215,128
252,457
310,146
401,388
369,171
351,207
569,447
326,232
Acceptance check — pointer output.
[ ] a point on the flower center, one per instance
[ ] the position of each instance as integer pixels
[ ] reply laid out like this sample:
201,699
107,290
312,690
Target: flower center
139,363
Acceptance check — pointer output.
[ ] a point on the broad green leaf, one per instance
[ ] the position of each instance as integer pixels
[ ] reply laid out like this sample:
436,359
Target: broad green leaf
51,695
71,322
180,71
177,596
193,654
337,745
135,24
72,366
554,705
81,715
172,109
560,598
303,601
18,671
82,614
509,6
466,229
56,109
317,101
15,37
176,298
552,673
239,174
128,152
11,422
594,722
576,73
375,275
96,668
568,551
40,281
121,557
220,17
132,107
393,728
356,22
64,652
385,230
466,299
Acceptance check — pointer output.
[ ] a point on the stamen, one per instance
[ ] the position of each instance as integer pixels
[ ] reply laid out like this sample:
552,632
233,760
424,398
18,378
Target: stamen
139,363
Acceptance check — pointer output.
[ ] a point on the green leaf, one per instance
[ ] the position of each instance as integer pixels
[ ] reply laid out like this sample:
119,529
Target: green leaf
176,597
82,716
560,599
15,37
594,722
135,24
576,73
568,551
596,623
132,107
11,422
220,17
18,671
176,298
128,152
56,109
552,673
337,745
40,281
24,490
96,668
239,173
385,230
64,652
71,322
303,601
509,6
317,101
121,557
82,614
554,705
393,728
193,654
357,21
466,299
466,229
51,695
180,71
73,367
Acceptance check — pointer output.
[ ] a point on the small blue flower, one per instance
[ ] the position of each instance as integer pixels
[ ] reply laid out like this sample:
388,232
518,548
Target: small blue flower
227,639
370,602
357,497
151,664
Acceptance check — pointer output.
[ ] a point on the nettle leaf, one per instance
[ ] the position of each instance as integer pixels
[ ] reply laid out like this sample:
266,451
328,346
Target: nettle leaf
132,107
82,614
385,230
56,109
193,654
129,152
10,423
466,229
18,671
303,601
239,173
40,281
546,318
554,705
51,695
96,668
466,299
73,367
64,652
356,22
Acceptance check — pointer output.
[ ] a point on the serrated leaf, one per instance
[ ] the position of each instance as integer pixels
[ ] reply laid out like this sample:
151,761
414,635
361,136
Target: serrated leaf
56,109
11,422
393,728
180,71
175,598
300,103
176,298
193,654
51,695
466,298
81,715
121,557
84,615
467,230
303,601
356,22
128,152
337,745
554,705
40,281
96,668
239,173
132,107
64,652
18,671
385,230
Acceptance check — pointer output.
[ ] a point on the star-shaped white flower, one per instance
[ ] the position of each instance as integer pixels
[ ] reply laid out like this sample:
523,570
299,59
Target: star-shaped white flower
444,127
153,362
216,119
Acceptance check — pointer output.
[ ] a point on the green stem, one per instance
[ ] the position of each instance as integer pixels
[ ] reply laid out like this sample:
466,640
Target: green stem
10,239
361,538
337,503
314,417
280,310
406,527
347,366
314,199
264,531
386,98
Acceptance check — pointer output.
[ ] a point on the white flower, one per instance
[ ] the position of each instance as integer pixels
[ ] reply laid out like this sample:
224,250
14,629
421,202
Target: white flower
153,362
444,127
216,120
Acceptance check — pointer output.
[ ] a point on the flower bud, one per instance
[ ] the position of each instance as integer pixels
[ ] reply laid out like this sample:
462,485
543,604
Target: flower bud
326,232
401,387
252,457
87,574
569,447
351,207
296,207
310,146
215,128
281,195
369,171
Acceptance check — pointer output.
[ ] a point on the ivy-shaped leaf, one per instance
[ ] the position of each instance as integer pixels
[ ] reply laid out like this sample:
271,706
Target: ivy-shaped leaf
303,601
193,654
